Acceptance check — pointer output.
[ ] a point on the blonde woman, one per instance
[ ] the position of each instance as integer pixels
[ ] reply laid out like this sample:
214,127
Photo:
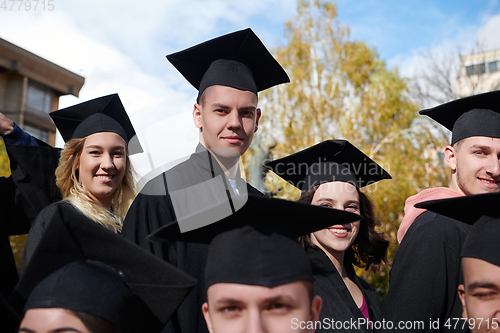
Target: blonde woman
94,174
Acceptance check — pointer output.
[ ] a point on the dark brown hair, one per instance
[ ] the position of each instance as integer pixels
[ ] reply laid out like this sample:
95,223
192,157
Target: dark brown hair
96,324
369,250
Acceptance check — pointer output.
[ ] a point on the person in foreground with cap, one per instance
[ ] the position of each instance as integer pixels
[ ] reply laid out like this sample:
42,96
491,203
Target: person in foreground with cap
480,292
94,173
85,278
330,174
228,72
426,269
258,277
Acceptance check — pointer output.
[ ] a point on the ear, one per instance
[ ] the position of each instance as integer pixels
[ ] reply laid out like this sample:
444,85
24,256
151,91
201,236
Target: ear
461,294
256,127
450,157
197,115
204,309
316,304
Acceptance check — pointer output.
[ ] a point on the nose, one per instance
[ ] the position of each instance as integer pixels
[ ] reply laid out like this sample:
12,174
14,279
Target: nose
107,162
493,168
234,121
255,322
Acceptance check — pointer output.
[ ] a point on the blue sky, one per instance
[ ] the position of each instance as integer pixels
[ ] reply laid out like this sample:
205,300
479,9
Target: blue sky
397,27
120,45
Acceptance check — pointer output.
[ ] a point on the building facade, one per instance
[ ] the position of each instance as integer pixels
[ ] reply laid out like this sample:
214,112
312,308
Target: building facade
30,87
479,72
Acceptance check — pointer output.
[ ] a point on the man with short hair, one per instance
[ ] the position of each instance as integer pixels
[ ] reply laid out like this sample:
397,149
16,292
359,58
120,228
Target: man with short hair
426,269
258,277
228,72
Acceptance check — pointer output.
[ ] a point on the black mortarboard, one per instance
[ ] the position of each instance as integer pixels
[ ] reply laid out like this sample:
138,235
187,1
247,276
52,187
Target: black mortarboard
467,209
482,241
482,212
328,161
238,60
103,114
257,245
158,286
476,115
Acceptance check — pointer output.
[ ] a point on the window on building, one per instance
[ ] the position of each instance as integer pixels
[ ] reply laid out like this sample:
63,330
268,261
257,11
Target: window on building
476,69
38,97
494,66
37,132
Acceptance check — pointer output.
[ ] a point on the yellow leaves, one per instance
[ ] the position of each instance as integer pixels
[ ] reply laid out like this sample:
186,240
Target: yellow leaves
4,161
341,89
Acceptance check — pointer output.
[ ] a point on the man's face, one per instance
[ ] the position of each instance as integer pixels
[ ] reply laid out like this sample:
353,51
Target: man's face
238,308
480,295
476,162
227,119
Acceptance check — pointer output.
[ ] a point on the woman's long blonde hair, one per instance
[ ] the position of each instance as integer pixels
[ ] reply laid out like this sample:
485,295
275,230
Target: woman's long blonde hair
67,179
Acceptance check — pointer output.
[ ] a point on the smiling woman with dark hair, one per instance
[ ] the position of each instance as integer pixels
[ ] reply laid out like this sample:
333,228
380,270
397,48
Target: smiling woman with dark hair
330,174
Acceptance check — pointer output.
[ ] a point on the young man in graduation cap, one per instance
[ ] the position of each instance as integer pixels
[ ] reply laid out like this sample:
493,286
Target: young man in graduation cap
480,291
426,269
228,72
257,277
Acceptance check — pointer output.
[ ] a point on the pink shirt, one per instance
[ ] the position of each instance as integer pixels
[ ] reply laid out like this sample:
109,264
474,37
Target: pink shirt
364,309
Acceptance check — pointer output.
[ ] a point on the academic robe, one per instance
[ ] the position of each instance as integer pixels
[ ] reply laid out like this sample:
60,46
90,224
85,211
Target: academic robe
37,230
201,181
33,172
426,273
338,304
13,221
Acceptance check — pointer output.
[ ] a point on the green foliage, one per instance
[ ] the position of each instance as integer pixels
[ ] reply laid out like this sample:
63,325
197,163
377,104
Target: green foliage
341,89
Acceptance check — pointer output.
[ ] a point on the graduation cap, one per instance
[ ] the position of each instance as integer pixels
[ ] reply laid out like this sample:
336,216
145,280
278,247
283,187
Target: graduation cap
467,209
476,115
112,278
328,161
103,114
257,245
480,210
238,60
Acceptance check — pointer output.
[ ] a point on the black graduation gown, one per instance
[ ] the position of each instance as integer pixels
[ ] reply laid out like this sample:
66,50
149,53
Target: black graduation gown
426,273
33,172
153,208
13,221
38,229
338,304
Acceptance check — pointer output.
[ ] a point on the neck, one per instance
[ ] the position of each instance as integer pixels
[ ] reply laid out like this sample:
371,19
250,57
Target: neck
230,165
336,257
454,184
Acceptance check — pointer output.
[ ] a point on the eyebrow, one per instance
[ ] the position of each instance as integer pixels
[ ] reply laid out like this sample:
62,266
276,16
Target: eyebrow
332,200
476,146
280,298
482,284
59,330
100,147
227,301
223,106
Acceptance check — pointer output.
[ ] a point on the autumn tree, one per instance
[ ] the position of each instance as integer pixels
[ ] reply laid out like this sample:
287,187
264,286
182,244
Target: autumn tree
340,89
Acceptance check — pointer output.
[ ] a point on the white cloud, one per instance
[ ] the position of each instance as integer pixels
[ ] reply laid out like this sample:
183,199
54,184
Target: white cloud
120,47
